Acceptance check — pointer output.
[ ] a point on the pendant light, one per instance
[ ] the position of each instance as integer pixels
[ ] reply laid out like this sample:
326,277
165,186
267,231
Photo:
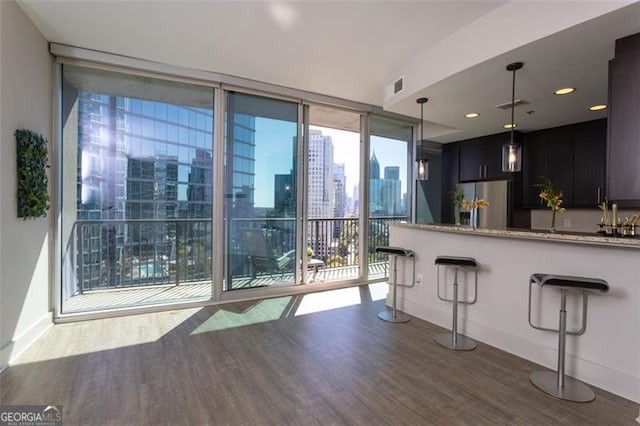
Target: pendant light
421,158
512,151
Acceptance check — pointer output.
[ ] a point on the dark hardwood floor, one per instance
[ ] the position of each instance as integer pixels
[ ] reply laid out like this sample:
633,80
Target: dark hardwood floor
258,363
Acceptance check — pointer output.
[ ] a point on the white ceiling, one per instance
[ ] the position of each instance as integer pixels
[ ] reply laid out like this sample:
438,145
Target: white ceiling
354,49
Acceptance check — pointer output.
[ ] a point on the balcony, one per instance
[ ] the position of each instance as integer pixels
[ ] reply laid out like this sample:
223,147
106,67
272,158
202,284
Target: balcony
124,263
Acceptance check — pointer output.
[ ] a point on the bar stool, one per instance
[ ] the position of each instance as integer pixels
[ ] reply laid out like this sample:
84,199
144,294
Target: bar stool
453,340
394,315
556,383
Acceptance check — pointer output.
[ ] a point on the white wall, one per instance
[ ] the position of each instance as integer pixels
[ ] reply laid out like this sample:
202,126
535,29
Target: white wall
25,102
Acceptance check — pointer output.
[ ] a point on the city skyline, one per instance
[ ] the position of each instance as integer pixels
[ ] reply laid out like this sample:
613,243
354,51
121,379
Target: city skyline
346,146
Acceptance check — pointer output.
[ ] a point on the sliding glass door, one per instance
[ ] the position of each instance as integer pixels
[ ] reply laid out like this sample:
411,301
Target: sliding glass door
333,193
261,204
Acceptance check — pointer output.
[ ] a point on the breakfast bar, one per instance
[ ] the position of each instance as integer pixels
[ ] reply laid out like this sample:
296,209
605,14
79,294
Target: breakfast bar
607,355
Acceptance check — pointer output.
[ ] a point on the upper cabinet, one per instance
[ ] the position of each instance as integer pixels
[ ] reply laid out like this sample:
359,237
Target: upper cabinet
623,183
481,158
573,156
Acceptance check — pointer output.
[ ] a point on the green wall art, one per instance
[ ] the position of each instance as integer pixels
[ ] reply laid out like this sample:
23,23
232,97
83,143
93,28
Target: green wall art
33,161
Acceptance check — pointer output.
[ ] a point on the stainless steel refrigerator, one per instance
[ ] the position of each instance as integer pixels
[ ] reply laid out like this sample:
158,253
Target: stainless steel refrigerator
496,214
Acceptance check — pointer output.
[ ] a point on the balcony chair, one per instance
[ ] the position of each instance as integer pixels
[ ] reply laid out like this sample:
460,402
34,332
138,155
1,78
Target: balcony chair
262,257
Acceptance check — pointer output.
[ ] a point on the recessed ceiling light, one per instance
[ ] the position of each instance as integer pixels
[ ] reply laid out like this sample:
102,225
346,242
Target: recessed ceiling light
597,107
509,126
564,91
471,115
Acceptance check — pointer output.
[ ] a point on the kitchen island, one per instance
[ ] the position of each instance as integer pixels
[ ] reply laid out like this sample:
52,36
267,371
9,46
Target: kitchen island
606,356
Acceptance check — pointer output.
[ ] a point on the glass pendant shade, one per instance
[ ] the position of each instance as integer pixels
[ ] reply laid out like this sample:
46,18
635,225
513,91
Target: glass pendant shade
423,169
423,162
512,152
511,157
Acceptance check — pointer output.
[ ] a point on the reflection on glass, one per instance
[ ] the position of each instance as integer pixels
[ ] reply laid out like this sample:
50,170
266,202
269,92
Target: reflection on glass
260,188
137,193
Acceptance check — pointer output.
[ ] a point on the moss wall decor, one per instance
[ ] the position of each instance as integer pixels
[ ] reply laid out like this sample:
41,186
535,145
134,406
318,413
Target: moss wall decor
33,160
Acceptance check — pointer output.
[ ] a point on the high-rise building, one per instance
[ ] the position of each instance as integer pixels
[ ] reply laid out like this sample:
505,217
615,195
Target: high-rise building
374,168
243,165
320,192
339,197
284,195
138,159
392,173
385,198
200,189
339,190
320,179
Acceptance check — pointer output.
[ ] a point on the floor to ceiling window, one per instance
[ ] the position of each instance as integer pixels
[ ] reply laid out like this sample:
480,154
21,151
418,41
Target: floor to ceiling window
389,184
136,190
137,180
260,191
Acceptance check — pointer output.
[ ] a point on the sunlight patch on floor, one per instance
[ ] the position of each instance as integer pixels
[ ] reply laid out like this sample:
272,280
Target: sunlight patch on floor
119,332
84,337
261,311
323,301
317,302
378,291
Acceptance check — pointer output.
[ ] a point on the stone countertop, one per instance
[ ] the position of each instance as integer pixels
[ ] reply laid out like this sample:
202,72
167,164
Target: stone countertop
530,234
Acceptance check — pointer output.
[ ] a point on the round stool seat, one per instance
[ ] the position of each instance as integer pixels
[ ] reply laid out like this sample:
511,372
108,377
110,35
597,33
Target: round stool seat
570,282
395,251
467,262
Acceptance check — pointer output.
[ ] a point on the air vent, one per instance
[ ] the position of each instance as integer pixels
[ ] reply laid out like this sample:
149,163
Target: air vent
398,85
516,103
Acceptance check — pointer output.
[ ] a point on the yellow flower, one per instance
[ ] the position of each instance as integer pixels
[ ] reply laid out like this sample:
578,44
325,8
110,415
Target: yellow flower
476,203
551,193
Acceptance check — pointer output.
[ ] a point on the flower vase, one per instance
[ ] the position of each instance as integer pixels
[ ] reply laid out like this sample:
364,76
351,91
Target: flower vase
456,214
553,221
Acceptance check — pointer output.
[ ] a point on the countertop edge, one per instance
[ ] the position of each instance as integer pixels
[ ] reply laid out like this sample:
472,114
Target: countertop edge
561,237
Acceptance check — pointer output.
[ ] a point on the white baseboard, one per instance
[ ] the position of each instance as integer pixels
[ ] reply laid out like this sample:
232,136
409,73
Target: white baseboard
18,345
609,379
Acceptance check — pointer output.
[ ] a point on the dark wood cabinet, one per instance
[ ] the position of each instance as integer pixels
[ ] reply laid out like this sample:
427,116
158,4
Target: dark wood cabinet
560,159
589,163
572,156
481,158
534,165
623,181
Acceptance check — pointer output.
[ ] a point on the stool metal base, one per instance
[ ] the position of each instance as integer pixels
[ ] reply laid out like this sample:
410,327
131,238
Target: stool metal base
573,390
463,343
387,315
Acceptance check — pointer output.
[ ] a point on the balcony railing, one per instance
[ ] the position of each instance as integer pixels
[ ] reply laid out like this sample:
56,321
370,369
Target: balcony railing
145,252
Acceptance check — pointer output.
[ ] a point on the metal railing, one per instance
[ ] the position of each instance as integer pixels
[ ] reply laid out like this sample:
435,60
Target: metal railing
148,252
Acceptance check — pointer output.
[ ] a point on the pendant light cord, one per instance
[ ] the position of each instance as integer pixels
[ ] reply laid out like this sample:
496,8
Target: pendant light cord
422,101
513,67
513,102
